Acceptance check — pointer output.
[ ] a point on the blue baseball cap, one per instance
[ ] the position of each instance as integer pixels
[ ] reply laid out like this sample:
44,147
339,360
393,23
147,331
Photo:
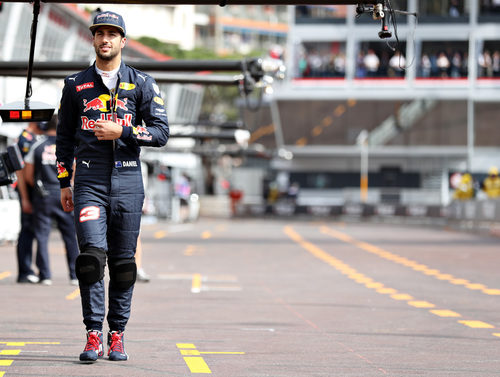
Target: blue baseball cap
108,19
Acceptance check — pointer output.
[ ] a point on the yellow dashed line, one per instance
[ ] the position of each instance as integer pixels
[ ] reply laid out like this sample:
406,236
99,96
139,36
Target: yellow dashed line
421,304
407,262
10,352
160,234
22,344
196,283
5,274
206,235
386,291
477,324
74,294
402,297
378,286
445,313
6,363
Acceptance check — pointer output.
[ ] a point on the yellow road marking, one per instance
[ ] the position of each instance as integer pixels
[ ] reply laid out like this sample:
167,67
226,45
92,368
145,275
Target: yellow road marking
386,291
74,294
197,365
206,235
494,334
445,313
402,297
421,304
196,283
185,345
407,262
10,352
494,292
358,277
5,274
2,374
160,234
190,352
477,324
190,249
6,363
22,344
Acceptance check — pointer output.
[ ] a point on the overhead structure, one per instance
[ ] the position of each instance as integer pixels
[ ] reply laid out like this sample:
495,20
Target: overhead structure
210,2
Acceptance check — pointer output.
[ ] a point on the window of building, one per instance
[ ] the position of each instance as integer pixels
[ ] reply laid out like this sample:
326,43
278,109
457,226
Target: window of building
488,60
320,60
305,14
443,10
443,59
489,10
377,60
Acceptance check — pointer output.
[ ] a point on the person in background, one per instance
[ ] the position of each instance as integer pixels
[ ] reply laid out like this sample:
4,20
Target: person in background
465,189
26,236
41,174
491,184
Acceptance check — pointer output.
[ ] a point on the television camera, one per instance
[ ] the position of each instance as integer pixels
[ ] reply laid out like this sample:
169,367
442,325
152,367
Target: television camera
10,162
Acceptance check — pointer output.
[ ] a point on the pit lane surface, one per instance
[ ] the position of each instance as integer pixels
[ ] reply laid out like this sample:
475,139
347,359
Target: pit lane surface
254,298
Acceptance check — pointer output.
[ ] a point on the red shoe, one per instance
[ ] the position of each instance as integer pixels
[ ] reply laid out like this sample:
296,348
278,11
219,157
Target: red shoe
93,349
116,350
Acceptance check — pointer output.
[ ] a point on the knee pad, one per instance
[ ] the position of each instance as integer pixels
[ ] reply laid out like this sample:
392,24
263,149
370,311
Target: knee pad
89,265
122,272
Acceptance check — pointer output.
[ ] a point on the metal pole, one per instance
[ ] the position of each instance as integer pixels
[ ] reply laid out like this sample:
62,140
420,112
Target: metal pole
36,11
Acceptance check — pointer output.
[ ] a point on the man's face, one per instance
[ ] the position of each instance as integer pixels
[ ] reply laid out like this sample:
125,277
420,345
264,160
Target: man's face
108,42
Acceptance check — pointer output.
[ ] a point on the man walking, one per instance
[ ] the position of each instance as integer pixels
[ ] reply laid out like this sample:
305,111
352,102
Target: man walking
101,118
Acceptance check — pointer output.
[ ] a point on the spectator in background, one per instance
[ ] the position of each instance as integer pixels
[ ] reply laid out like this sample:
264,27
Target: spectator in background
454,11
495,63
485,64
491,184
443,64
456,65
426,66
41,173
465,189
339,64
397,64
372,63
26,234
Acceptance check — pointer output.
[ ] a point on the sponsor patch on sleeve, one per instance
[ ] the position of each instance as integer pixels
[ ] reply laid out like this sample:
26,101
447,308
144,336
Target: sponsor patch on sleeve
158,100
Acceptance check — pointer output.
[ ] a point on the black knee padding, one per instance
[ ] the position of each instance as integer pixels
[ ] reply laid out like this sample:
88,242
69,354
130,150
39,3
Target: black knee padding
89,265
122,272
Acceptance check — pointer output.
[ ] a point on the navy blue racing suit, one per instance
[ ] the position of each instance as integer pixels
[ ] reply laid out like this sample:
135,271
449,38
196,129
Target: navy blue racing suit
108,188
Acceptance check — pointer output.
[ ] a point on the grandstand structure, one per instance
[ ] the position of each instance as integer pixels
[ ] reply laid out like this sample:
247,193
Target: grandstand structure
418,110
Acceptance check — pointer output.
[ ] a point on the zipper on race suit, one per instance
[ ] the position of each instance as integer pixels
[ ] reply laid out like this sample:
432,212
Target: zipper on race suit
112,105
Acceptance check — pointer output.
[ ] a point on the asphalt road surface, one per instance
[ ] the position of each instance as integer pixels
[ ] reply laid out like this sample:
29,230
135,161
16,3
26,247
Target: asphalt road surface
256,298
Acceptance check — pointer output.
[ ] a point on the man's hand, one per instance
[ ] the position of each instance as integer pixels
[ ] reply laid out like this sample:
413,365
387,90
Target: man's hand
67,199
26,206
107,130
